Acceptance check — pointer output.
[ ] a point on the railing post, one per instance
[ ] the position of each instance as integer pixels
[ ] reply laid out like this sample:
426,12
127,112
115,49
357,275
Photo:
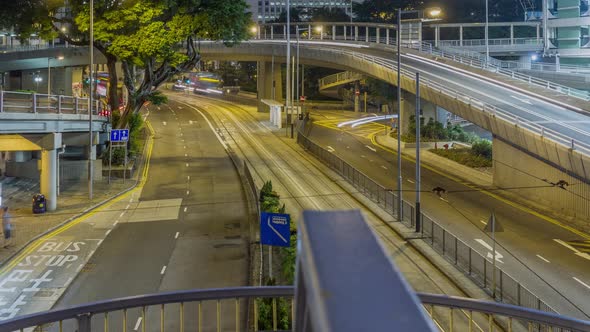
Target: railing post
377,35
386,36
485,273
366,34
84,323
456,255
518,293
1,101
284,32
469,260
34,102
333,32
573,144
356,33
59,104
76,110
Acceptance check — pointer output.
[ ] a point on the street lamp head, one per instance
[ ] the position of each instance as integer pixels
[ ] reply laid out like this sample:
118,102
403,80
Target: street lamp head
64,29
433,12
61,57
253,29
319,28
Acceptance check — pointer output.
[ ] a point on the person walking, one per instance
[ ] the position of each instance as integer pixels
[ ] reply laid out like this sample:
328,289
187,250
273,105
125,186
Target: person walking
6,226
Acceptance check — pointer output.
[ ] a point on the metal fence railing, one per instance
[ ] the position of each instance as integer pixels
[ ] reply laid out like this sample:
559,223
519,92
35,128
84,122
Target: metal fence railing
30,102
468,260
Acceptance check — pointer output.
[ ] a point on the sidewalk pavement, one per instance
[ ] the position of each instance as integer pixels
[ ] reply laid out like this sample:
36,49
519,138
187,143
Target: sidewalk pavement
18,193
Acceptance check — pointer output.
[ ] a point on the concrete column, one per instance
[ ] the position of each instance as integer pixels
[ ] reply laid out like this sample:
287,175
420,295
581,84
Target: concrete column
429,110
377,35
356,33
367,34
357,97
309,31
49,178
461,35
387,36
344,28
284,32
442,115
265,83
436,36
333,32
511,34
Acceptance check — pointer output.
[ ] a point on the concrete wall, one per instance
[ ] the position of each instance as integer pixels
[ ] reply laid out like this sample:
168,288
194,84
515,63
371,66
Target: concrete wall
521,173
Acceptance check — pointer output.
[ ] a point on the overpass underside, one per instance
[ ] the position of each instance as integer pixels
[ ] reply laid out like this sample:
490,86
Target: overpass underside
527,163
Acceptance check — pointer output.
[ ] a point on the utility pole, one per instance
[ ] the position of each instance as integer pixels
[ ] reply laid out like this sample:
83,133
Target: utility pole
288,78
90,138
418,122
487,34
399,117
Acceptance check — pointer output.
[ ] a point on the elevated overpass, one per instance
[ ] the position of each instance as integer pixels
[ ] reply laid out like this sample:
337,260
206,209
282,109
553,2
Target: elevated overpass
46,123
531,118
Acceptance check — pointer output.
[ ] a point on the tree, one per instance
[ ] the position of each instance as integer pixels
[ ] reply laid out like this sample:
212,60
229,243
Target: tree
328,14
157,37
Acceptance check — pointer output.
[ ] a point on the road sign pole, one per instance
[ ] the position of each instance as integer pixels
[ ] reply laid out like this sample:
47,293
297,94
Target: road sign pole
494,256
270,262
125,164
110,159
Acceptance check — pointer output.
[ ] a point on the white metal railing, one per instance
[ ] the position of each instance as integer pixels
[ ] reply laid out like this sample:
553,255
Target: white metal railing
492,42
472,59
27,102
493,110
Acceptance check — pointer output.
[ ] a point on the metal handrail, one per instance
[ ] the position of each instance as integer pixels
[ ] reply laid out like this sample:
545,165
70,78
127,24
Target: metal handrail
507,310
86,311
192,295
44,103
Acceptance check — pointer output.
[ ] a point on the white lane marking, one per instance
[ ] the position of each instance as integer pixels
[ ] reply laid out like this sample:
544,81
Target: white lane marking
184,146
190,121
581,282
498,257
163,269
116,222
410,181
176,235
180,134
137,324
107,232
371,148
331,149
210,125
384,167
188,192
131,200
185,208
363,156
483,222
371,160
526,101
186,164
348,147
179,107
127,207
444,200
188,177
164,123
122,214
543,258
159,109
186,154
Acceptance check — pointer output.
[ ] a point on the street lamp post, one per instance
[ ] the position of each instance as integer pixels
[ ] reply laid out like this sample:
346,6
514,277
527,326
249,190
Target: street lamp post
433,12
90,139
487,34
288,78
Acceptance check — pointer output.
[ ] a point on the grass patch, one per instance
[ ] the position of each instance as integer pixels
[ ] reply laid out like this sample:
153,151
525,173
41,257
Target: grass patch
464,157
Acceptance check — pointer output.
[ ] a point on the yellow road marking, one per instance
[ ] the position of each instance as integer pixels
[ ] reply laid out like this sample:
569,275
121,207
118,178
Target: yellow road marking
33,246
501,199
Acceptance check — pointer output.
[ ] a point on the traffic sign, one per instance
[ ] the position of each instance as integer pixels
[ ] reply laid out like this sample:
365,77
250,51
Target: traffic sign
302,98
275,229
119,135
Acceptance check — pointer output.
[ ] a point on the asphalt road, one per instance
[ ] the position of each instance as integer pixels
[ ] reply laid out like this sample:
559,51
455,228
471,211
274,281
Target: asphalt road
188,229
527,245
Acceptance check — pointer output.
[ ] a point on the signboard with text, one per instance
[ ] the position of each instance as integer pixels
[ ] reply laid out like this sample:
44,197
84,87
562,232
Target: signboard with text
275,229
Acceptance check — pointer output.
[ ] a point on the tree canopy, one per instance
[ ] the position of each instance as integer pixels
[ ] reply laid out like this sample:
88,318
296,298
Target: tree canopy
155,36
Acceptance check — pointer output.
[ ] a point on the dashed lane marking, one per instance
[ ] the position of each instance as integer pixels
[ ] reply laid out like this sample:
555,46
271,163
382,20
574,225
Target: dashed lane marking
543,259
163,269
137,324
176,235
581,282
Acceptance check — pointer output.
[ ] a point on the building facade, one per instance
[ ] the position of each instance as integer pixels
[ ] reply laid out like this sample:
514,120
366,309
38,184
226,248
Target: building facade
268,10
567,30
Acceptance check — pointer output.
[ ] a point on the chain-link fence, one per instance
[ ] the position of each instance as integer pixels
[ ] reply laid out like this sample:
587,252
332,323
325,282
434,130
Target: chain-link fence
476,266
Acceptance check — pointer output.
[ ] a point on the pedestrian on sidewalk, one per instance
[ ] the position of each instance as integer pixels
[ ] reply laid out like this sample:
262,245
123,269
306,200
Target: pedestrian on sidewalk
6,226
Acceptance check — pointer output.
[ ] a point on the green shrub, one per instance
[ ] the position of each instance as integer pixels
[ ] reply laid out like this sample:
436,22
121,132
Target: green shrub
464,157
483,148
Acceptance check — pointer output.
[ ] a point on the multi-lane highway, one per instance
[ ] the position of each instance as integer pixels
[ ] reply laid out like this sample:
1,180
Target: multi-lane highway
533,250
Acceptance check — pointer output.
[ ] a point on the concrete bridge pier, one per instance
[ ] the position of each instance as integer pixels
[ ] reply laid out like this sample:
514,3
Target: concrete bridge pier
429,111
269,81
48,169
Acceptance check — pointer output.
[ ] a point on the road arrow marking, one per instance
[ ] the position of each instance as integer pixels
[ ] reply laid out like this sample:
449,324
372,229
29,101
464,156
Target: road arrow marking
274,230
498,257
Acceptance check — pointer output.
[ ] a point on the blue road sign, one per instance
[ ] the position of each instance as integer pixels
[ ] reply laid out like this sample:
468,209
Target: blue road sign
119,135
124,135
275,229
